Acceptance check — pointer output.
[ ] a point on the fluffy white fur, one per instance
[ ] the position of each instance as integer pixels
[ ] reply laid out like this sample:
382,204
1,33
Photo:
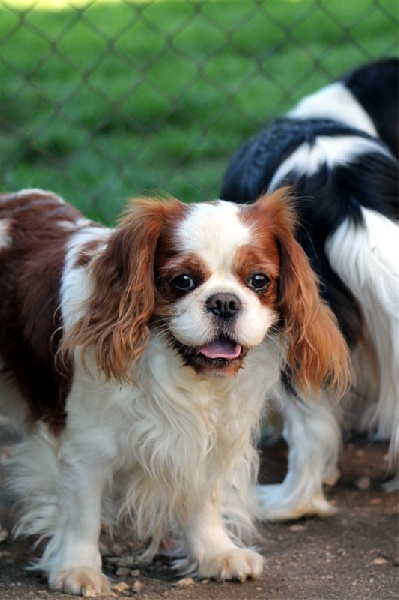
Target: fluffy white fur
368,260
158,444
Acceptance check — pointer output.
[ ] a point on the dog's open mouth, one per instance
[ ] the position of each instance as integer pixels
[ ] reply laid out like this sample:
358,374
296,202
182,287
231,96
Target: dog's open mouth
222,356
221,348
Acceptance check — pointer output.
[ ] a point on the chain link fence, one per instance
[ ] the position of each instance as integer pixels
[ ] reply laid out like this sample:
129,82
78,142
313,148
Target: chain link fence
104,100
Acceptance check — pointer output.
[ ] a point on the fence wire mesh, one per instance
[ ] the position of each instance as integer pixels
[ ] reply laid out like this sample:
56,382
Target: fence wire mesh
105,100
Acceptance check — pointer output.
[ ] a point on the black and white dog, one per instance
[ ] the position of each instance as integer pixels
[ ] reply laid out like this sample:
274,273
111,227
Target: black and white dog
338,150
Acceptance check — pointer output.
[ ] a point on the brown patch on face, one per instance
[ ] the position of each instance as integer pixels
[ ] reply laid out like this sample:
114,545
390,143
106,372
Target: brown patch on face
167,269
271,218
30,280
252,262
121,306
316,351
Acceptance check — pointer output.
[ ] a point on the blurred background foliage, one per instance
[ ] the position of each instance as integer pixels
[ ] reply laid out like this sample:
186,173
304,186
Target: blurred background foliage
104,100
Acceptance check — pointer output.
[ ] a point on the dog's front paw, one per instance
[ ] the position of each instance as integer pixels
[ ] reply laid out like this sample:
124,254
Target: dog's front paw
81,581
239,564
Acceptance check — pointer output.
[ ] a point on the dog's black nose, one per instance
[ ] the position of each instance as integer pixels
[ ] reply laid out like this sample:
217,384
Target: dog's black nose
224,305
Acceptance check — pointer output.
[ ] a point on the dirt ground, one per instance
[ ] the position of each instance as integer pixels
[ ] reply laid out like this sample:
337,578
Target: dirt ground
351,556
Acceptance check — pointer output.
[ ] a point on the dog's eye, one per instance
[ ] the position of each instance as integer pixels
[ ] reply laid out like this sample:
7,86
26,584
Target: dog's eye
183,282
259,282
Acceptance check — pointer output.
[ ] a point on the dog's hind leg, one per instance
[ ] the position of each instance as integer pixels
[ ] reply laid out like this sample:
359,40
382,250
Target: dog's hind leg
366,257
312,431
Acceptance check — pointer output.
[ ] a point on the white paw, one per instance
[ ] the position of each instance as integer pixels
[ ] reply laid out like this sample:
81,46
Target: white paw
392,485
239,564
278,505
81,581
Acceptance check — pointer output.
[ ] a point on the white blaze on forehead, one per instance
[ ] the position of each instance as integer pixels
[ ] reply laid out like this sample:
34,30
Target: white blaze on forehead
214,232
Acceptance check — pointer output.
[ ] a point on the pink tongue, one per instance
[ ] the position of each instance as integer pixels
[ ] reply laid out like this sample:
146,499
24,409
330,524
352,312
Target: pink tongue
221,349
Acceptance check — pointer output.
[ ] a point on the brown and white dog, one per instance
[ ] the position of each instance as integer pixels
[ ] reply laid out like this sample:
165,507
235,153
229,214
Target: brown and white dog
138,360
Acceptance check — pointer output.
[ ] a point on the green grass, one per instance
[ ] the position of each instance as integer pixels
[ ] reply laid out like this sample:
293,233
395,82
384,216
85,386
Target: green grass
117,99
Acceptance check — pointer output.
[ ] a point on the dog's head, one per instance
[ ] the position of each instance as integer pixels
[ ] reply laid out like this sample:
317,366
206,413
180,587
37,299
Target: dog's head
215,279
216,284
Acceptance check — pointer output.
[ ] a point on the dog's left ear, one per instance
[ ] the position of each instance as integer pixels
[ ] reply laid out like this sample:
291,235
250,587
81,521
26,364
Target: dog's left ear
316,350
116,319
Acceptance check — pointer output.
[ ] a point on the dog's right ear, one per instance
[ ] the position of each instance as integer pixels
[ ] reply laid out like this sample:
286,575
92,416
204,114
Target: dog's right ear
117,313
316,350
